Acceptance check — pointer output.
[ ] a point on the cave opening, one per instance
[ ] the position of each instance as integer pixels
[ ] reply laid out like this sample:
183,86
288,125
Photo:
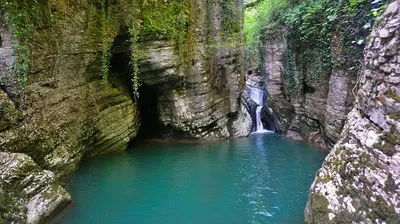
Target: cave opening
146,103
120,72
151,126
120,77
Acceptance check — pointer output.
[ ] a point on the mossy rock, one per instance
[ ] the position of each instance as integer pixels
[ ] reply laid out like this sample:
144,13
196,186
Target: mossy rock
9,114
317,209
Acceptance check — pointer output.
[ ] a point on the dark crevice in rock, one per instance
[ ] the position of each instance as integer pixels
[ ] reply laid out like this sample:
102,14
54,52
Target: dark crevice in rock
268,119
308,88
120,73
151,126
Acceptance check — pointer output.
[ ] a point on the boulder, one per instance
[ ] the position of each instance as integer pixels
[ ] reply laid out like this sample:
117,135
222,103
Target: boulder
28,194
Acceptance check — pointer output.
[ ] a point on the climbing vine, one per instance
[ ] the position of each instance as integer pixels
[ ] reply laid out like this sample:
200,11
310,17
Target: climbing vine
231,13
134,28
106,36
25,18
169,19
289,74
175,20
20,18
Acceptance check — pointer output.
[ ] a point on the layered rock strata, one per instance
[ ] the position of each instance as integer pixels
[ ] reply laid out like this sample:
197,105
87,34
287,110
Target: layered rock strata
67,112
311,109
359,180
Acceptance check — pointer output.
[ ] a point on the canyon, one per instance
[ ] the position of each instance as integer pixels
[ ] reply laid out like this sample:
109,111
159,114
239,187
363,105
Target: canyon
196,86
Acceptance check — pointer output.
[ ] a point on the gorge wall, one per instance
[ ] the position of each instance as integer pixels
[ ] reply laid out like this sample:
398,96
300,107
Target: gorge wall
313,109
310,80
359,180
66,111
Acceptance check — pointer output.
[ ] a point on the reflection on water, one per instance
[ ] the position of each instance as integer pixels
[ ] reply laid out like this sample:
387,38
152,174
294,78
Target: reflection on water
260,179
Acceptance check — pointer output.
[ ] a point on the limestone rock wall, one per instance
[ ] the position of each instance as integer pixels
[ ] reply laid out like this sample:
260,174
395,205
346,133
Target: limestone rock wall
202,101
315,110
272,72
67,112
359,180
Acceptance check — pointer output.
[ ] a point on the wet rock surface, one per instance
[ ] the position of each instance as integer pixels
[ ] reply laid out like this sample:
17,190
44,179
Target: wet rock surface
28,194
359,180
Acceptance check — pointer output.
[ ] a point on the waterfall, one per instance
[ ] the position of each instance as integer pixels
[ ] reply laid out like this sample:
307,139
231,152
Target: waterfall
257,95
259,127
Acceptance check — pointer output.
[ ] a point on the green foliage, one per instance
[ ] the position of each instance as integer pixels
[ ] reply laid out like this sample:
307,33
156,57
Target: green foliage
257,19
163,18
230,14
310,25
106,36
153,19
25,18
145,19
20,18
134,29
177,20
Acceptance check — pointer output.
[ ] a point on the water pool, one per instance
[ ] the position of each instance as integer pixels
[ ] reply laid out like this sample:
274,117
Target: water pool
261,179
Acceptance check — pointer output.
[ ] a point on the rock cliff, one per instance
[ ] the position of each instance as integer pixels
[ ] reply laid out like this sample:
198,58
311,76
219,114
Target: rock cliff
67,112
359,180
313,109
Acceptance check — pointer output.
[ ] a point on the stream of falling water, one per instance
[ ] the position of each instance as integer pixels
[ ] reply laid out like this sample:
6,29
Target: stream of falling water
257,95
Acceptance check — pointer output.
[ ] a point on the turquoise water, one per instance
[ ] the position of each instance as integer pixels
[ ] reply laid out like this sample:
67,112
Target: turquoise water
260,179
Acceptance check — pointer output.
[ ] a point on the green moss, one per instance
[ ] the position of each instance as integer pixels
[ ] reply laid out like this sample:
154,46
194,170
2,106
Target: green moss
179,91
310,26
388,148
381,100
8,205
324,180
391,94
395,115
390,184
319,208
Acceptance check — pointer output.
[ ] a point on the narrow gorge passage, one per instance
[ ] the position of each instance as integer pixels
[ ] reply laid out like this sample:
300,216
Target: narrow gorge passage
200,111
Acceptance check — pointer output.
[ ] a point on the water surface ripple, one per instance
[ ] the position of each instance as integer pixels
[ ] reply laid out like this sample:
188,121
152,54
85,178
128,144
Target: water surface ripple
260,179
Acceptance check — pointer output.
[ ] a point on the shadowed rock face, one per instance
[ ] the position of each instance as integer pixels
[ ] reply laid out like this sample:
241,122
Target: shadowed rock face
273,66
200,101
359,180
